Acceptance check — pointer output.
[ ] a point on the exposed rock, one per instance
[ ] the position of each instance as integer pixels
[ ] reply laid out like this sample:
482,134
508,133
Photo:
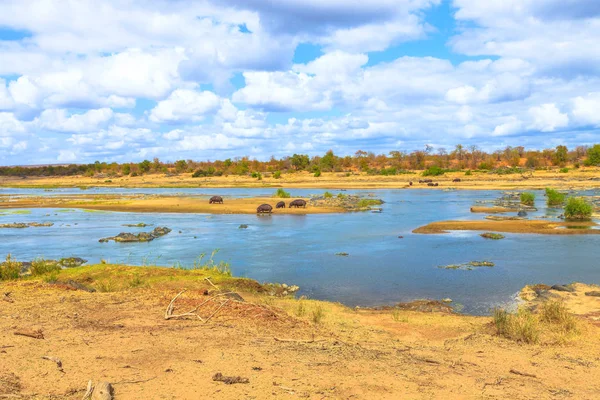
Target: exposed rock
243,226
140,225
21,225
522,213
494,236
124,237
563,288
594,293
71,262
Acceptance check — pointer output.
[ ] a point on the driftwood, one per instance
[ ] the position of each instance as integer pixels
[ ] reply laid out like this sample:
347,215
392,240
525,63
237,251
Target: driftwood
7,298
514,371
229,380
55,360
102,391
32,334
169,311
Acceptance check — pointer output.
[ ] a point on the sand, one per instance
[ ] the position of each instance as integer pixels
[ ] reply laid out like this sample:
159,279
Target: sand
517,226
123,338
583,178
163,204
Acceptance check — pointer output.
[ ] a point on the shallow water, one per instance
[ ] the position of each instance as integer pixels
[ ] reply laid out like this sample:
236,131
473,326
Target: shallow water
380,269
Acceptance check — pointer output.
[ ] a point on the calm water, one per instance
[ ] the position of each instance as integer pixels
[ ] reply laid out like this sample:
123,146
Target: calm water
381,268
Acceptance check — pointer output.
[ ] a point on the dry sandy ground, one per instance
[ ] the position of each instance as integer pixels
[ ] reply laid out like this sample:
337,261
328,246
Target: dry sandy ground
170,204
123,338
516,226
575,179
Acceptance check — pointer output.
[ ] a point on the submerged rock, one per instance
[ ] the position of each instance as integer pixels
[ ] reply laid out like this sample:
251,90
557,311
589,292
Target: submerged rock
140,225
490,235
243,226
468,266
21,225
125,237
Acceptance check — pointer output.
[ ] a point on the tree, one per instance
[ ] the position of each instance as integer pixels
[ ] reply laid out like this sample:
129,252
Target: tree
300,161
180,166
561,155
144,166
328,161
593,154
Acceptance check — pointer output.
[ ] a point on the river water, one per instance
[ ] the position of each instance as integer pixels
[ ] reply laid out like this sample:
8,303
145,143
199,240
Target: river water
381,268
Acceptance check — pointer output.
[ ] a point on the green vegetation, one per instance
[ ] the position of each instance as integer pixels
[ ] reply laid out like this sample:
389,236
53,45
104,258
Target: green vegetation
363,203
563,170
39,266
507,171
433,171
493,236
593,155
468,173
528,198
578,208
281,193
554,197
553,320
327,195
317,173
317,314
221,268
10,269
277,174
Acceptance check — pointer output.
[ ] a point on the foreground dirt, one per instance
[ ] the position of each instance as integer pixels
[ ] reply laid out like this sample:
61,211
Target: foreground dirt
123,338
583,178
156,203
512,226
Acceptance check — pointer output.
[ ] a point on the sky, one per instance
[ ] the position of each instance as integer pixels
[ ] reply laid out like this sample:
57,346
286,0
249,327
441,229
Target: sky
127,80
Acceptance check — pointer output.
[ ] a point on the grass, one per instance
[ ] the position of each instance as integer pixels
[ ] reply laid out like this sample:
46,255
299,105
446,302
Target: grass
552,324
528,198
362,203
10,269
578,209
317,314
397,316
40,266
300,310
554,197
281,193
277,174
563,170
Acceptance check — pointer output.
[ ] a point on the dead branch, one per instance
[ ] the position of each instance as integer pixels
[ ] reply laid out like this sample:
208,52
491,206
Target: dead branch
89,390
216,311
32,334
299,340
7,297
55,360
169,311
131,382
212,284
516,372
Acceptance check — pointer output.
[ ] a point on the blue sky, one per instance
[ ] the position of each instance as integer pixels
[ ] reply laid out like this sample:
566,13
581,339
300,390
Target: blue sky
85,80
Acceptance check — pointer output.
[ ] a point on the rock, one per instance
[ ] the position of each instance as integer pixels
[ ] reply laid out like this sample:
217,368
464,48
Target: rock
71,262
342,254
447,300
522,213
124,237
562,288
102,391
594,293
490,235
243,226
235,296
284,285
158,232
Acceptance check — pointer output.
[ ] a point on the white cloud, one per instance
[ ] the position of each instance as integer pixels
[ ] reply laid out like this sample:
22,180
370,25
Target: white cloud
66,156
548,118
185,105
586,110
59,120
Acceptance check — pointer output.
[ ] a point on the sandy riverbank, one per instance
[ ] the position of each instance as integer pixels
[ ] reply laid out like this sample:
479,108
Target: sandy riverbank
286,348
158,203
512,226
584,178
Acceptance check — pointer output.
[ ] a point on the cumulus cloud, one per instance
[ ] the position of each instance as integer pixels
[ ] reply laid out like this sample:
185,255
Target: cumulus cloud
586,110
59,120
548,118
185,105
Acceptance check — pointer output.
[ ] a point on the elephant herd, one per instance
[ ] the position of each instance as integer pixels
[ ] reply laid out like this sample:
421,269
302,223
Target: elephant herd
265,208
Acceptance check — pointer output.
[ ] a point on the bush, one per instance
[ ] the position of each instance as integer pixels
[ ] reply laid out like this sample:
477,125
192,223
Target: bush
257,175
521,326
578,208
362,203
317,173
317,314
327,195
555,312
554,198
563,170
39,266
277,174
468,173
433,171
282,194
10,269
527,198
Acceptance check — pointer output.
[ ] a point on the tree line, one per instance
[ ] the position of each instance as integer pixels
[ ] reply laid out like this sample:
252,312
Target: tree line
395,162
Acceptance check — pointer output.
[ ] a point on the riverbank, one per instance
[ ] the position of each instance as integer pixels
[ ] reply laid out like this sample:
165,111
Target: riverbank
162,204
285,348
577,179
512,226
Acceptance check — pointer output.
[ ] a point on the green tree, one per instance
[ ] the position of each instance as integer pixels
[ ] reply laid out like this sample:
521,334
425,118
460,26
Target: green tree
593,155
300,161
561,155
144,166
181,166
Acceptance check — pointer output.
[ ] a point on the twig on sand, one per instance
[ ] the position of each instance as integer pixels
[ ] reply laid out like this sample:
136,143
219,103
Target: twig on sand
7,297
217,310
299,340
169,311
229,380
89,390
132,382
212,284
516,372
55,360
32,334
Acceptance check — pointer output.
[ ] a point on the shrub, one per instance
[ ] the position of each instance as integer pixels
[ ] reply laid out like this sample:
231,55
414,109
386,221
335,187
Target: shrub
10,269
527,198
362,203
327,195
554,198
39,266
317,173
277,174
578,208
468,173
317,314
282,194
433,171
563,170
555,312
521,326
257,175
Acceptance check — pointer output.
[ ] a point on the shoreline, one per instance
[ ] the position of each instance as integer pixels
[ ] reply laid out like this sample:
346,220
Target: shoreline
512,226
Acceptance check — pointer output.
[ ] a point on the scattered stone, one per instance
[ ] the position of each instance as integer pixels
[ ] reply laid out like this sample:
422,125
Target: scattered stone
71,262
594,293
21,225
562,288
140,225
